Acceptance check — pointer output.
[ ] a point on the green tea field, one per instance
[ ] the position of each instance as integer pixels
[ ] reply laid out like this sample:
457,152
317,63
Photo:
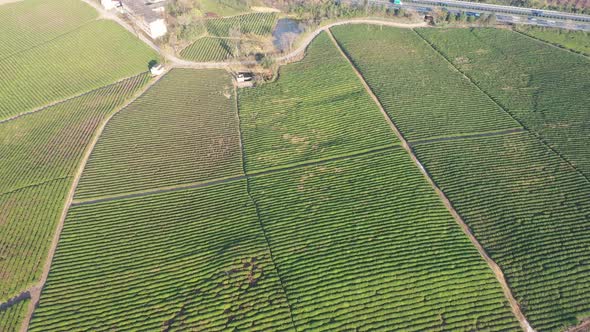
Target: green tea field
545,88
384,174
60,60
183,130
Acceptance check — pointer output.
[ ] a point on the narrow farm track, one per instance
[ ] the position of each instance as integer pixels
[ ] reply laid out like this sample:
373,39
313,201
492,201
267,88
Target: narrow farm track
294,55
532,132
35,291
65,100
464,227
229,179
453,138
257,209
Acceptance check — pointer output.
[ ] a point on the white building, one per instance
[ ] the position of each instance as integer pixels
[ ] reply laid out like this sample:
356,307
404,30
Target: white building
148,15
110,4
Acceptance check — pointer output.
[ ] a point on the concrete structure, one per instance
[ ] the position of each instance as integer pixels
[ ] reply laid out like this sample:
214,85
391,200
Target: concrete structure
110,4
148,15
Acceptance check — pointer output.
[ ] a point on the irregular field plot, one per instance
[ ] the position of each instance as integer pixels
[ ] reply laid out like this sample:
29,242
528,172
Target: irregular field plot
187,260
30,23
424,95
40,154
208,49
211,48
530,211
365,243
183,130
317,108
544,87
97,54
11,318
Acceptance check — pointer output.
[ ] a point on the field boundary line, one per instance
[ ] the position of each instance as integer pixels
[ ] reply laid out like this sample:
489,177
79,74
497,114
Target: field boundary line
161,190
213,182
505,109
58,102
36,290
464,227
50,40
467,136
256,208
33,185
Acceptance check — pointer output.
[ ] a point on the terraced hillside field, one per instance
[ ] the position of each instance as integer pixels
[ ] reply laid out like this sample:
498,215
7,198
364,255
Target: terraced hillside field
183,130
318,108
530,211
218,43
365,244
40,155
187,260
97,54
31,23
545,87
414,83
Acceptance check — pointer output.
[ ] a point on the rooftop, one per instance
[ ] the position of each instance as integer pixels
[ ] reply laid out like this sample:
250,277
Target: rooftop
149,9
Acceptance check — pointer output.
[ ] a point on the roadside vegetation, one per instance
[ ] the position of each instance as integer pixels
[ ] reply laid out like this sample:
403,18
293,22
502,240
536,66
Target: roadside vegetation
530,211
183,130
97,54
424,95
187,260
40,155
576,41
544,87
317,108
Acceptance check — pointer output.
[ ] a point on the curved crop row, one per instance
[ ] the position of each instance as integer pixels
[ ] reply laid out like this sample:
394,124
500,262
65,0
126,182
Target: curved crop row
544,87
531,211
183,130
424,95
317,108
40,153
365,243
31,23
97,54
209,49
187,260
48,144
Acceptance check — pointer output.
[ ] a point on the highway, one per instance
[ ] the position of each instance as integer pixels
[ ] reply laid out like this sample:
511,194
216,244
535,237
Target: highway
504,14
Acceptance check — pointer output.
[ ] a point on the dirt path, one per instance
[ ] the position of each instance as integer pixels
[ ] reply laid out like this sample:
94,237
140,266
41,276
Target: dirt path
453,138
41,108
35,291
174,61
464,227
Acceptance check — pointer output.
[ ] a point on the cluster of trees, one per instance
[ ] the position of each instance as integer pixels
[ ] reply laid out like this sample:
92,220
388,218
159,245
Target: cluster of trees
462,17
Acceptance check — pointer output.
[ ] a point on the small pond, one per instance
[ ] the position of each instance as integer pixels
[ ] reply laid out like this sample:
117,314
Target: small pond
286,30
